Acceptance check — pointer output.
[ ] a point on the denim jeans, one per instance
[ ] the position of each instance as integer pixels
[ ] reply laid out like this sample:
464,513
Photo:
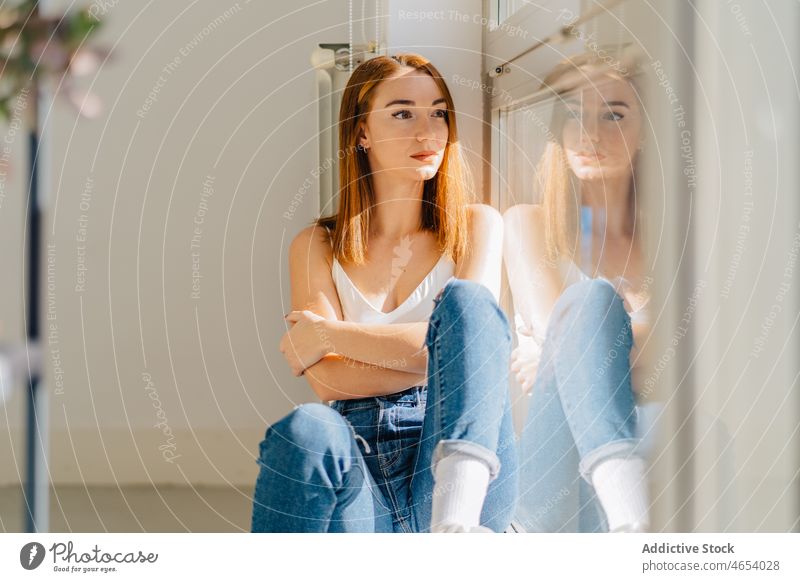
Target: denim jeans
365,465
582,411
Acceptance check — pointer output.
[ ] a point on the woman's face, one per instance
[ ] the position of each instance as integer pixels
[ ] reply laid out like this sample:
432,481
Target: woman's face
601,131
406,130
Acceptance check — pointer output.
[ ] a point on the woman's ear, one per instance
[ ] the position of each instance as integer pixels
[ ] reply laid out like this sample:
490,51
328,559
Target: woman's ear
363,138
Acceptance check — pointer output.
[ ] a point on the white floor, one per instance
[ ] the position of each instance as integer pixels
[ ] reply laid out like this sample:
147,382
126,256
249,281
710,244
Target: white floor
135,509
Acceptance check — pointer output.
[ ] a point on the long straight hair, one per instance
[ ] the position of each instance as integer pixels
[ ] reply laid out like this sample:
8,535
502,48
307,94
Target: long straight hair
560,190
444,196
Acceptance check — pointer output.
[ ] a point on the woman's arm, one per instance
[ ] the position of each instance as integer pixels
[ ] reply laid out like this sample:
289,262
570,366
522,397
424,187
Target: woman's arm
398,346
333,377
534,280
484,258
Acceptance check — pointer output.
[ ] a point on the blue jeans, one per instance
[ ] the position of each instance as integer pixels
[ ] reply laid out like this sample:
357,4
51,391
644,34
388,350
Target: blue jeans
365,465
582,411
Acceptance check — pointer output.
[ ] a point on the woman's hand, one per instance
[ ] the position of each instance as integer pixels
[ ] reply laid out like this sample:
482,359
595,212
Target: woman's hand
525,362
306,342
633,300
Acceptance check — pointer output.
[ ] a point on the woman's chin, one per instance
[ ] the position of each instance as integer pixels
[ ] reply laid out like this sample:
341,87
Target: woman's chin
420,173
588,172
426,172
597,172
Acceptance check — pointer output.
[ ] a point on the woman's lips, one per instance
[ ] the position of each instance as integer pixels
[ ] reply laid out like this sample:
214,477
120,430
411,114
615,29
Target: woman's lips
590,156
425,156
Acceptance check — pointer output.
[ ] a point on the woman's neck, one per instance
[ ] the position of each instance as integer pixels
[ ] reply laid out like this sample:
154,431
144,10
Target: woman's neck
608,199
398,207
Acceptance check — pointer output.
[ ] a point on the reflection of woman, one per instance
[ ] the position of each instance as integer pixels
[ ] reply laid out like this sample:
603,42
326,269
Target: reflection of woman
576,271
414,359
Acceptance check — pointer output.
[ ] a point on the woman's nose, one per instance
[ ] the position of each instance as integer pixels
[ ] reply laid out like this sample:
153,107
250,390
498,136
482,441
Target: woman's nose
589,132
424,129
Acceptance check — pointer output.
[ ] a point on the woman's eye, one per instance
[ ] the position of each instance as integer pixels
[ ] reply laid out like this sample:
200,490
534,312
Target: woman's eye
440,113
402,114
613,116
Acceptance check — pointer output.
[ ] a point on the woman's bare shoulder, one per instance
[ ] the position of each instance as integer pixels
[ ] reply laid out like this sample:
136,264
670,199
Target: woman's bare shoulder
310,245
484,224
525,224
310,262
524,215
484,212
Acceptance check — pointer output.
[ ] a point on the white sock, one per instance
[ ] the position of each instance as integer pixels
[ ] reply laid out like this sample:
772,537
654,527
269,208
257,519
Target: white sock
621,487
459,488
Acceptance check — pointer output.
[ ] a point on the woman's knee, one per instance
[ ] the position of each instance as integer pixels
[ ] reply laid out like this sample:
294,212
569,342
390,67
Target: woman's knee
460,293
595,292
592,300
472,306
309,427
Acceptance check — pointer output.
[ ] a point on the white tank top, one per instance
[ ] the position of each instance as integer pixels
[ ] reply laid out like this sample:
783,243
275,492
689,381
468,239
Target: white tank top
417,307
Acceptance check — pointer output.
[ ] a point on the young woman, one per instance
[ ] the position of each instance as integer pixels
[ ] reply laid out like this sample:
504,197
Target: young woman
579,326
395,322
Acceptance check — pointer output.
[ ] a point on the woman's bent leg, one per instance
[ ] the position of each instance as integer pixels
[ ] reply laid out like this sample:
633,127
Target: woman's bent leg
313,478
592,369
468,412
549,482
583,394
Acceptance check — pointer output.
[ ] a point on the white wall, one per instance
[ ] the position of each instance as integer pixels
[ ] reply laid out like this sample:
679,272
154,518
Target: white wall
238,107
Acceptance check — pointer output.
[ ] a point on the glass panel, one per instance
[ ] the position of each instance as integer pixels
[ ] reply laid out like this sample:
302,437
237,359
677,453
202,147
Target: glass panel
528,128
572,151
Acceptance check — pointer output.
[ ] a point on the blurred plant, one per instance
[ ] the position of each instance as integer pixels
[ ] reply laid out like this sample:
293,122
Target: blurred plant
33,46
